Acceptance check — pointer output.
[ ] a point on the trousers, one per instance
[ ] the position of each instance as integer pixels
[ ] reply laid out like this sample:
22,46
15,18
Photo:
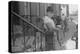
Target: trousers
49,36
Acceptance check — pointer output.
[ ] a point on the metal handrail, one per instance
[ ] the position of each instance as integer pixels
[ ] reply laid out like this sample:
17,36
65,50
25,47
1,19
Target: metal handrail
27,22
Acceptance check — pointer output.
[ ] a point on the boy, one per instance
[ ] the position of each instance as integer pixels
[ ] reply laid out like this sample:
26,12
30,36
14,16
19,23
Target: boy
50,27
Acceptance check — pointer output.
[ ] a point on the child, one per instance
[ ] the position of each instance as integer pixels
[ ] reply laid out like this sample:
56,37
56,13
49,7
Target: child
69,39
50,27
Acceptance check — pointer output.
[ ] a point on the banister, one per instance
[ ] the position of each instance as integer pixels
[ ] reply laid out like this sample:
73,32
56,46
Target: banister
27,21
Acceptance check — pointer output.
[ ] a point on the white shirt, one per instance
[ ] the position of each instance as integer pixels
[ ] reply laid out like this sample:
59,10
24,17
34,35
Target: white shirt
49,22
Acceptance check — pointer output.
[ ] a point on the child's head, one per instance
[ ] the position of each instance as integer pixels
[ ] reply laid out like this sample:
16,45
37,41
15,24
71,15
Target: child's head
50,11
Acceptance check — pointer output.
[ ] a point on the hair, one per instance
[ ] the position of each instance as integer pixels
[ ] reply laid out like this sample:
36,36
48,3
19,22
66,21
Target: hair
50,9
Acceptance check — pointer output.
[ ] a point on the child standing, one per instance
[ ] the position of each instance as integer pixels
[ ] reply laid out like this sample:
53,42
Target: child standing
50,27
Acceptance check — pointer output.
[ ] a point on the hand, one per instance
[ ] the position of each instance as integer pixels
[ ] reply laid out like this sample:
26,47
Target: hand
59,26
58,29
